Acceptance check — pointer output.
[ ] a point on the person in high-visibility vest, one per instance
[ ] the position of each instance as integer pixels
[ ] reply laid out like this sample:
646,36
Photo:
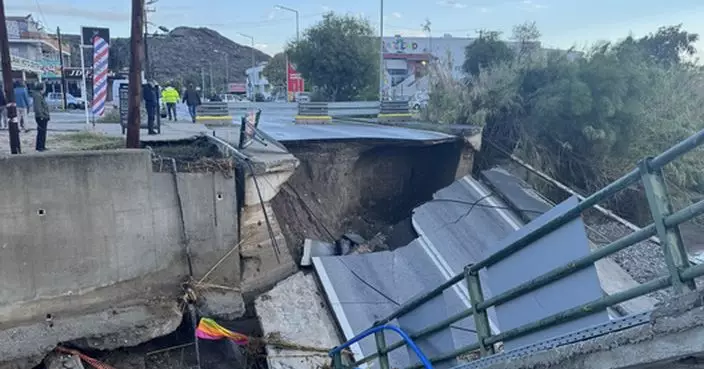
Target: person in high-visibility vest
170,96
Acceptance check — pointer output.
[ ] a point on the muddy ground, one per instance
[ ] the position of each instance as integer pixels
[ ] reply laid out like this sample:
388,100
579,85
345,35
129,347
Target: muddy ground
365,187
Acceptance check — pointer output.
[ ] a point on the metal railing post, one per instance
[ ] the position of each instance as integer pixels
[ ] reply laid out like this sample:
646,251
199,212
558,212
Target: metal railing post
670,237
337,360
381,349
481,318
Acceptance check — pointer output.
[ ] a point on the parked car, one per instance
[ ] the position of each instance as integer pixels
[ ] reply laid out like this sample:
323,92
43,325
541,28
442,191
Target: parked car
55,100
418,101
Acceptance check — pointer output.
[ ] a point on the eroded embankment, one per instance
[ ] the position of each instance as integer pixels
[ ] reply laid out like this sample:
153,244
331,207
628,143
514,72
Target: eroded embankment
363,186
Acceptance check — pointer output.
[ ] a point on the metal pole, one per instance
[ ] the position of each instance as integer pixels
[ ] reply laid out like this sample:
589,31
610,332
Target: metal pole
670,237
298,34
135,83
481,318
381,50
381,350
210,76
227,71
84,85
15,147
202,78
64,88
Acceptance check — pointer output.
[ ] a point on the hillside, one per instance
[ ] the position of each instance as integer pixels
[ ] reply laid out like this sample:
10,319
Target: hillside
180,55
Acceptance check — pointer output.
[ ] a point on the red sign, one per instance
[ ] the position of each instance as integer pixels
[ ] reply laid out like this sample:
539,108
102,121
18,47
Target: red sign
294,81
237,87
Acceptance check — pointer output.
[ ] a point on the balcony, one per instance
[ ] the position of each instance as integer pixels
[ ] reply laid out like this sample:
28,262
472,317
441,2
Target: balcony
48,42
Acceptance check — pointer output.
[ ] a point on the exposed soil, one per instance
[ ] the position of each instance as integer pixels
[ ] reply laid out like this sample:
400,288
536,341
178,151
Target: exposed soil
364,186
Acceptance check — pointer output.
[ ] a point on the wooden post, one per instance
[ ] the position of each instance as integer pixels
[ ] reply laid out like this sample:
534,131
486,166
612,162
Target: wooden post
135,79
12,119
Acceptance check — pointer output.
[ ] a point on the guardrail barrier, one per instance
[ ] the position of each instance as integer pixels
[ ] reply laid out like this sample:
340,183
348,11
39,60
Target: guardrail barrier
213,113
313,113
393,111
680,272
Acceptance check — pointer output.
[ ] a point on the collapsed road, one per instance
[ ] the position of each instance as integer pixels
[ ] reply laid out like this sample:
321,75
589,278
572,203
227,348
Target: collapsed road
233,232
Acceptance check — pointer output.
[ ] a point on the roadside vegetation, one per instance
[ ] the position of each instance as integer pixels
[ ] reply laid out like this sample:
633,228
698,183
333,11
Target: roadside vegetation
586,117
337,59
88,141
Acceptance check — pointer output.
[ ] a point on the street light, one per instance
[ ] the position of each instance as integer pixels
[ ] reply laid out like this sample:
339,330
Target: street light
227,68
253,63
281,7
381,50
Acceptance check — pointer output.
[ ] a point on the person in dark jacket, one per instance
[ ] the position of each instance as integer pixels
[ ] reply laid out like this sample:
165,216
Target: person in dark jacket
192,99
41,116
149,92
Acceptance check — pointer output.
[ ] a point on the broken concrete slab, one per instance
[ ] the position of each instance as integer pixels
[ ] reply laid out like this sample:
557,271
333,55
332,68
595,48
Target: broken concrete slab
86,235
529,205
265,260
675,331
295,312
62,361
313,248
24,346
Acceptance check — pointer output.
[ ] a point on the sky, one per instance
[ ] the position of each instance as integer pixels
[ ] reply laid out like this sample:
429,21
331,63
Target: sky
563,23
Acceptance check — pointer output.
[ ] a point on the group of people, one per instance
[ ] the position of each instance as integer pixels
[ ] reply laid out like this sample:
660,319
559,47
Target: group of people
170,97
24,104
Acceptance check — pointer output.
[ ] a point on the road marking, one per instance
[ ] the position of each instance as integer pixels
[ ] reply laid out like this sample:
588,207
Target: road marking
337,308
496,206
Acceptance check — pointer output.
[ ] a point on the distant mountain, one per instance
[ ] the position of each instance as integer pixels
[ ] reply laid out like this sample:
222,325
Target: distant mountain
180,55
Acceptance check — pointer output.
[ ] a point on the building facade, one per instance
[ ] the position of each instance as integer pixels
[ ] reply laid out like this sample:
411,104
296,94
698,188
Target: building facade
34,52
256,81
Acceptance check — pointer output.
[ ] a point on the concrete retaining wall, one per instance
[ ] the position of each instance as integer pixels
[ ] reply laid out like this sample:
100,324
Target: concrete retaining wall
86,232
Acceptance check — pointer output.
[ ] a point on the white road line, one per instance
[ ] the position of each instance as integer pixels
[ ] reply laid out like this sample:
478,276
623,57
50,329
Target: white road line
447,272
337,308
505,215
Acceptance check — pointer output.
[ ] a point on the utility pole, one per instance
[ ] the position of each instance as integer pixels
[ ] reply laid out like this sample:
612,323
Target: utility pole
135,80
7,83
64,88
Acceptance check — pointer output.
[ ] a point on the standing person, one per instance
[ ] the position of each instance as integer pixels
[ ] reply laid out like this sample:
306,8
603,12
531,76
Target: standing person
150,101
22,101
41,116
192,99
170,97
3,114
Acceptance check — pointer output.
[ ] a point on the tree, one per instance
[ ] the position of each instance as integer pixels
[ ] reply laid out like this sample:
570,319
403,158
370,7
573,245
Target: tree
275,71
486,51
338,56
527,36
669,44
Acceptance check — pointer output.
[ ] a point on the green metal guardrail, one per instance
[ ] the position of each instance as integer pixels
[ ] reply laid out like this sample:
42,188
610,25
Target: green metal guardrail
680,276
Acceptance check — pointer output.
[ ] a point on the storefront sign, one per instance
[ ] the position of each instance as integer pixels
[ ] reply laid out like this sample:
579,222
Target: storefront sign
87,34
237,87
294,81
400,46
124,101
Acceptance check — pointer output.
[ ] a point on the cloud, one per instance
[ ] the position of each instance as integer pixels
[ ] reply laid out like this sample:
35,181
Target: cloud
68,10
261,46
484,10
531,5
326,8
272,15
397,15
452,3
